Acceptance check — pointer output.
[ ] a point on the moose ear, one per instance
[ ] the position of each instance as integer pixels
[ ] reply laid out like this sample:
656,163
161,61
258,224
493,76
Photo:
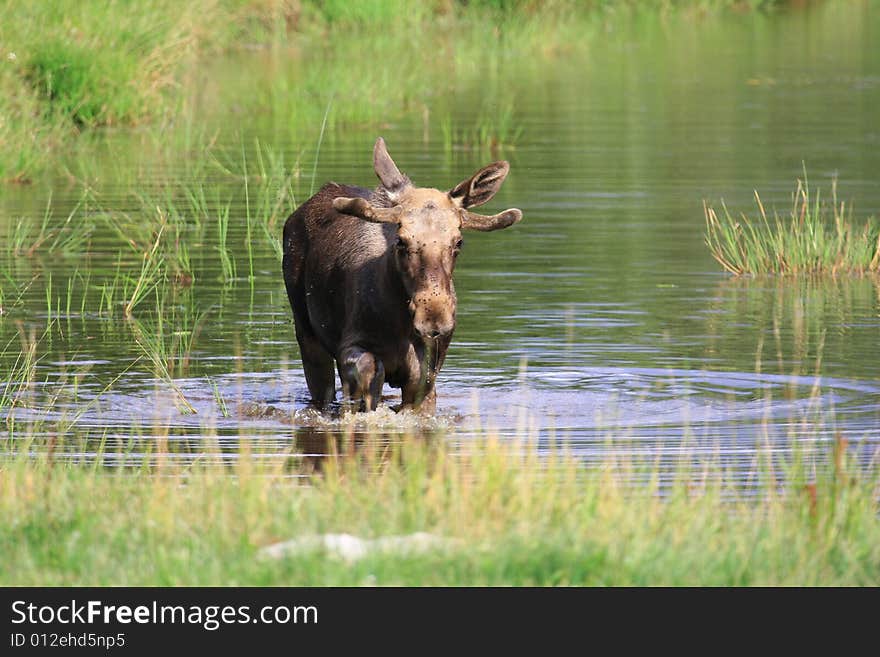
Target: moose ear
388,173
481,186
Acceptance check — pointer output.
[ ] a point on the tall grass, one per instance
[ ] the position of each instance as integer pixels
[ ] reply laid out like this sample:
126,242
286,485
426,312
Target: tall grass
493,130
816,237
49,237
150,274
503,514
227,260
19,377
164,238
274,195
168,351
266,180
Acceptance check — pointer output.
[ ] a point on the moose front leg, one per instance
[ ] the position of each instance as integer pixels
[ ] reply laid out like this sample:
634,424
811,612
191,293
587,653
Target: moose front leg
417,399
418,393
362,375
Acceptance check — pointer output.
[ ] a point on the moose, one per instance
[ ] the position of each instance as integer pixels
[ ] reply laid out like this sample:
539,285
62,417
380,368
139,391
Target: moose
369,277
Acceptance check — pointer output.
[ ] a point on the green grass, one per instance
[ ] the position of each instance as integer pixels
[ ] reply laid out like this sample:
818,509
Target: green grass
167,343
70,236
67,68
164,242
814,238
512,517
493,131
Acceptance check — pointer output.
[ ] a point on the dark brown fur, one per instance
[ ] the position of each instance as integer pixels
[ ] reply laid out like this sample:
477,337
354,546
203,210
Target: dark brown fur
369,279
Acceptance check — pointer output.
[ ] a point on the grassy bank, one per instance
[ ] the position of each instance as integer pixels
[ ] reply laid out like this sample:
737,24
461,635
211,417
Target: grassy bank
69,68
501,514
815,237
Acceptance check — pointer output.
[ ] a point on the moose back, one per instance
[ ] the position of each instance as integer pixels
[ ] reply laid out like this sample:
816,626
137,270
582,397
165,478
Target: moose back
369,278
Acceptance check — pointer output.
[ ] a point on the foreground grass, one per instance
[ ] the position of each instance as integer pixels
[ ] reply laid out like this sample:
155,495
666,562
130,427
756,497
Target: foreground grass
815,238
513,518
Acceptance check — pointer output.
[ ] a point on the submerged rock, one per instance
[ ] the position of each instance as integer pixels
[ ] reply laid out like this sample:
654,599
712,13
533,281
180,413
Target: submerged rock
353,548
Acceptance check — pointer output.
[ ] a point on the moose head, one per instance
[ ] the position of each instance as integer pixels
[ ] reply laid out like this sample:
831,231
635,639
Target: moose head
429,233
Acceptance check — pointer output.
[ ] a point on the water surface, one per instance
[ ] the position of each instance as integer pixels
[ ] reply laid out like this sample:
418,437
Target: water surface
601,316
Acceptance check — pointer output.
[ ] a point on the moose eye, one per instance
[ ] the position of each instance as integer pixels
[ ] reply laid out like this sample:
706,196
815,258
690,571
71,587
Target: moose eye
458,245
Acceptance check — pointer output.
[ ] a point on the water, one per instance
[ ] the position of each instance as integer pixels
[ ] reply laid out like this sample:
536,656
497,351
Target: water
600,316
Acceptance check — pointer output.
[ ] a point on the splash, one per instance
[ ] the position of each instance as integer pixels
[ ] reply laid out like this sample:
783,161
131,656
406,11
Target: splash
337,418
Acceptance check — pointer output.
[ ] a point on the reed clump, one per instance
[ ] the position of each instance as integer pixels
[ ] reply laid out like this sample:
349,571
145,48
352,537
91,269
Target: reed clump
815,237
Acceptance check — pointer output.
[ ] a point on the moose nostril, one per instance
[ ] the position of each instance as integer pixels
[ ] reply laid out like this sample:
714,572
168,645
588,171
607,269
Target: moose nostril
434,333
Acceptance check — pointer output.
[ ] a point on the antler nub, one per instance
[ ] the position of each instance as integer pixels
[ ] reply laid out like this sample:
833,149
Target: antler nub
360,207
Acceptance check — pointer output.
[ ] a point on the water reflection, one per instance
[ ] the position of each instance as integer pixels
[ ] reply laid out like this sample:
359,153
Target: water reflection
600,320
797,325
312,447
